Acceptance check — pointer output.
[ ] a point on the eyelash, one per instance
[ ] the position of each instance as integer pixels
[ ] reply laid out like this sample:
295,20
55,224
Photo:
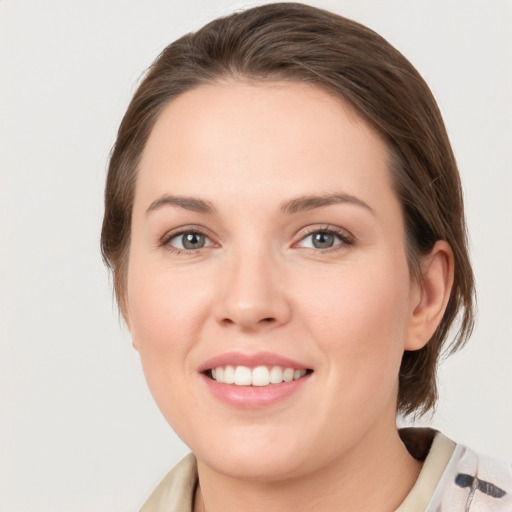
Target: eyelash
344,237
192,230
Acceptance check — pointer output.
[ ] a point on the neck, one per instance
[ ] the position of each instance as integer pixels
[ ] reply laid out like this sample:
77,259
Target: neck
376,475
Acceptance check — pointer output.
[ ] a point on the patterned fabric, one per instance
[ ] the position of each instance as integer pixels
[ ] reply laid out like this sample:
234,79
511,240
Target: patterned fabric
472,483
453,479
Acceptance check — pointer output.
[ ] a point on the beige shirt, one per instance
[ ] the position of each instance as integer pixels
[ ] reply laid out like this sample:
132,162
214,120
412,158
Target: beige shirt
453,479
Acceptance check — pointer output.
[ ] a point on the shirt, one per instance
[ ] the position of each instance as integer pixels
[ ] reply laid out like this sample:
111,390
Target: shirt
453,479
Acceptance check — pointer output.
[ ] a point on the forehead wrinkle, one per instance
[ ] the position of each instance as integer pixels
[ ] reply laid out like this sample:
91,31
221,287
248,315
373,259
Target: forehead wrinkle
304,203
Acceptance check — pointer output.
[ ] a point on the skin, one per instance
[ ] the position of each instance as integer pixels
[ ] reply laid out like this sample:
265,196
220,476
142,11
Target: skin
259,284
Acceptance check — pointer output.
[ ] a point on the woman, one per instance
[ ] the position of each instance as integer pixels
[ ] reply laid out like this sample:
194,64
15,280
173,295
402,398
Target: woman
285,226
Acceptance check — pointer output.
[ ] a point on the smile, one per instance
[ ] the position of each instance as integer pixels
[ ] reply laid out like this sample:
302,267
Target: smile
259,376
253,381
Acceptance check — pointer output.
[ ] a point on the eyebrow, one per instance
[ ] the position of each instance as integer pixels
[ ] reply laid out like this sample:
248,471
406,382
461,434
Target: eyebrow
299,204
187,203
305,203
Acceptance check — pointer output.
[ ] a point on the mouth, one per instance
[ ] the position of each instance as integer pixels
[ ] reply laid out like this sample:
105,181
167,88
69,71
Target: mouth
259,376
254,381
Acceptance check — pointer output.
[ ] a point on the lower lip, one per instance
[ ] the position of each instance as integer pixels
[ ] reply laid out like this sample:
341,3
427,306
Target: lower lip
253,397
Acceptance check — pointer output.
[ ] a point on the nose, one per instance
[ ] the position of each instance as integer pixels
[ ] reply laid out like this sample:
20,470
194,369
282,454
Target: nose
253,294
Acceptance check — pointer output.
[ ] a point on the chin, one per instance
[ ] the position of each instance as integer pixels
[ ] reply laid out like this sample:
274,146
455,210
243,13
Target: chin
262,456
255,466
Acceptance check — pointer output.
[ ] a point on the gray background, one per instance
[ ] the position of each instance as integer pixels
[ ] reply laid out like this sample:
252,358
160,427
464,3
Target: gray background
78,428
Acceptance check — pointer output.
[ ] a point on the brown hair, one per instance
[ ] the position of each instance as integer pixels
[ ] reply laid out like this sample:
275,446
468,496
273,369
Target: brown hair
299,43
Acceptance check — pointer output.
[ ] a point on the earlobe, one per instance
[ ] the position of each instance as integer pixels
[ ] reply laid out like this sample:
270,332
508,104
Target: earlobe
434,290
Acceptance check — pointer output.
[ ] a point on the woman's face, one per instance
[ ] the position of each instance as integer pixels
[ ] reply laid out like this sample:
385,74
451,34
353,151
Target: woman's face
267,245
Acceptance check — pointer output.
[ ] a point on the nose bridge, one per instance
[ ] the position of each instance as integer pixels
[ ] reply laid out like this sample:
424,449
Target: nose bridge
253,292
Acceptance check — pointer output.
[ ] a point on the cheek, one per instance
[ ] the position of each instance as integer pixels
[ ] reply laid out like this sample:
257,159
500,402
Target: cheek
165,313
165,323
360,317
362,339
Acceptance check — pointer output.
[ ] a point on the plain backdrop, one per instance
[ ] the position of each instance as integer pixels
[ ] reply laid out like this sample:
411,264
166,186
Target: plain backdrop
78,428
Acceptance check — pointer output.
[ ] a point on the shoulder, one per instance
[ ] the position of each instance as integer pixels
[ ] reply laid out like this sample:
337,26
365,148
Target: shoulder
474,483
454,478
175,493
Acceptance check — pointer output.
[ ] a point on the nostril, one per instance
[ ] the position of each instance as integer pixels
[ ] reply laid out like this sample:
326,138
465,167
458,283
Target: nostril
267,320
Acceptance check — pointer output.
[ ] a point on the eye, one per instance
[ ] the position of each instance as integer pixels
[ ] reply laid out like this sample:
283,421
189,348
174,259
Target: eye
324,239
188,241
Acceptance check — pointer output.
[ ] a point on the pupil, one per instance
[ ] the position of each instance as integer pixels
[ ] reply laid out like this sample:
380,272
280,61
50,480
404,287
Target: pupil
193,241
323,240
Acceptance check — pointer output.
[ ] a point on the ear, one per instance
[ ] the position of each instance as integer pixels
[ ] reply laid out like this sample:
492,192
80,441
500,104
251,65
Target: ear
431,295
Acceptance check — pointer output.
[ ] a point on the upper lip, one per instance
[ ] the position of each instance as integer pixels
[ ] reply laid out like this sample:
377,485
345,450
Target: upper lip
251,361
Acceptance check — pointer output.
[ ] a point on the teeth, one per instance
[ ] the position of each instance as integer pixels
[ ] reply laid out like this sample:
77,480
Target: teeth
259,376
243,376
276,375
288,374
229,375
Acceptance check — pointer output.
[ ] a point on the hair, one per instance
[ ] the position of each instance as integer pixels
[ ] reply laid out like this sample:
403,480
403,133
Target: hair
299,43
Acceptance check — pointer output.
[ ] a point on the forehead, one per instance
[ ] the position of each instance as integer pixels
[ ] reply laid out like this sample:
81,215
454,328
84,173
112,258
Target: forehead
250,137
